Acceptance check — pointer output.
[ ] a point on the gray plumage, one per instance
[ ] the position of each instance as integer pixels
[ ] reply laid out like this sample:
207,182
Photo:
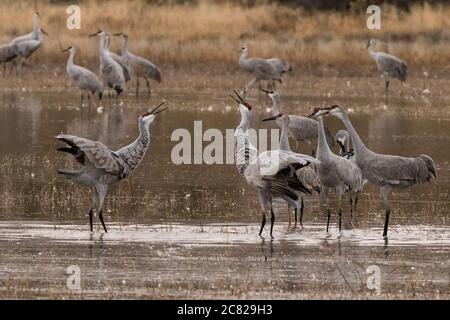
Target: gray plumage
301,129
268,172
139,66
101,166
334,171
343,139
261,69
32,35
280,65
386,171
389,66
306,176
119,60
85,79
111,72
8,52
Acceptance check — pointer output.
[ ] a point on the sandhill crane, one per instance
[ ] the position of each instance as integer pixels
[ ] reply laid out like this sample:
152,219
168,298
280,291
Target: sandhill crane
390,66
280,65
82,77
343,139
27,47
118,59
139,66
8,52
112,73
301,129
32,35
334,171
386,171
305,175
268,172
101,166
261,69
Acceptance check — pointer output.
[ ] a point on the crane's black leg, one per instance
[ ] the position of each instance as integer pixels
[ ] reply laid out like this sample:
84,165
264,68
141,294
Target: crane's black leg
295,224
90,219
356,202
328,219
100,216
351,205
263,223
340,220
272,221
148,87
302,207
387,92
386,222
137,87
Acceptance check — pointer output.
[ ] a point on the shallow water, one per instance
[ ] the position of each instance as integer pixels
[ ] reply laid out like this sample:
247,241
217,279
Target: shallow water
191,230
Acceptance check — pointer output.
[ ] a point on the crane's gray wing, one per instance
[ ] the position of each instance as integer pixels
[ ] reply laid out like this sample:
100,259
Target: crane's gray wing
272,161
96,153
400,171
392,65
85,78
112,72
26,48
349,172
122,64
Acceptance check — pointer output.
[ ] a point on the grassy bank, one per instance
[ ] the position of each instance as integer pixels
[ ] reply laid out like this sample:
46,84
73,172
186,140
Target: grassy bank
210,34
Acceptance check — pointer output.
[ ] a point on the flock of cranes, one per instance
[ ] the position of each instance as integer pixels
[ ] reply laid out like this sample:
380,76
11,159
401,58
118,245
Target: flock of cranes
281,173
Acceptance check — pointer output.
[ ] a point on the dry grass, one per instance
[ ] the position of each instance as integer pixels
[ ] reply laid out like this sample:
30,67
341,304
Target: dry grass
208,34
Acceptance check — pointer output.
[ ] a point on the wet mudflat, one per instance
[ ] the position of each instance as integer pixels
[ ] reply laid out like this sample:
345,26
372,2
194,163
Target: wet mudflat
190,231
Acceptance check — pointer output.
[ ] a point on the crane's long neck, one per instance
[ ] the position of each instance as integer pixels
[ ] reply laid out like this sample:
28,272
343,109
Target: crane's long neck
371,51
284,137
243,58
275,106
125,52
70,61
358,144
134,153
36,28
322,147
102,46
242,147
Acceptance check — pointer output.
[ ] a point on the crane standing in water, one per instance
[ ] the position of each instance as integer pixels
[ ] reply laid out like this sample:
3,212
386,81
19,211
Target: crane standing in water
101,166
139,66
385,171
335,172
268,172
85,79
305,175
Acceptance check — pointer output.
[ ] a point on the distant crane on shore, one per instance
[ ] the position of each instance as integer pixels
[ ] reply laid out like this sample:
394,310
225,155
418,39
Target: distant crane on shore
268,172
385,171
101,166
260,68
389,66
85,79
139,66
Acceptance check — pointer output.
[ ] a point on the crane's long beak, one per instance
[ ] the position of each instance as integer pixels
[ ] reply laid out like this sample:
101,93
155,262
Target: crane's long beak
65,50
239,99
155,111
44,32
319,112
94,34
117,34
266,91
272,118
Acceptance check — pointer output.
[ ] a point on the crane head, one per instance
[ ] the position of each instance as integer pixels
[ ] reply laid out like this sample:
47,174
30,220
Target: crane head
371,43
99,32
243,49
149,116
318,112
281,115
241,101
70,48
